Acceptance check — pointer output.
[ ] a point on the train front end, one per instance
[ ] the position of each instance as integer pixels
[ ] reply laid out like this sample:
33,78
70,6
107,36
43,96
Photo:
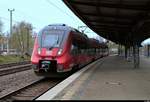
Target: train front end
50,51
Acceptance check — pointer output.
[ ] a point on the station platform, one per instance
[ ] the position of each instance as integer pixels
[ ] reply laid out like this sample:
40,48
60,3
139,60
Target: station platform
110,78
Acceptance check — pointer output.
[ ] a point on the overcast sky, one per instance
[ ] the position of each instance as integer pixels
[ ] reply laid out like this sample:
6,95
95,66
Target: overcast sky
39,13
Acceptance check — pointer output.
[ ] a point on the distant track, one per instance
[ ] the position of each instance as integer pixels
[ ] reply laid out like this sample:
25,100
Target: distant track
13,64
10,68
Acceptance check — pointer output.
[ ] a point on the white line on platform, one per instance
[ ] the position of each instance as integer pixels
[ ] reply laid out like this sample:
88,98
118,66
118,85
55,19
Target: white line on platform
49,95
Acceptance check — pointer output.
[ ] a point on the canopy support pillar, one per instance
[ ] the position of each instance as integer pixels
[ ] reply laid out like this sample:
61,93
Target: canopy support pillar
119,50
136,56
126,52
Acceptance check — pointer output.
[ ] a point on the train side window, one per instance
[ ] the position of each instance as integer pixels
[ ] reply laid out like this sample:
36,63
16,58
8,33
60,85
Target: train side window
82,51
100,50
74,50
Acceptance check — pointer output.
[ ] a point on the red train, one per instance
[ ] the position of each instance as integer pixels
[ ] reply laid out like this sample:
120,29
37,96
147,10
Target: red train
60,48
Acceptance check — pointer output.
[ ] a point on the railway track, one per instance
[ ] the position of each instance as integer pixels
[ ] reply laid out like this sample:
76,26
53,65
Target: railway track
13,64
10,68
31,91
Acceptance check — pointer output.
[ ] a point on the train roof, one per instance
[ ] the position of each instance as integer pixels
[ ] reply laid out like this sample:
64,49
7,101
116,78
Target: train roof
59,27
62,27
95,43
104,45
80,35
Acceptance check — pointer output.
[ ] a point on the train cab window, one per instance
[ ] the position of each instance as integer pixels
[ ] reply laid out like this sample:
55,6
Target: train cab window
51,38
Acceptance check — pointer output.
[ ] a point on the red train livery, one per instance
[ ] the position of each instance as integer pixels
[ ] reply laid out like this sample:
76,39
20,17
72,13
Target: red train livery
59,48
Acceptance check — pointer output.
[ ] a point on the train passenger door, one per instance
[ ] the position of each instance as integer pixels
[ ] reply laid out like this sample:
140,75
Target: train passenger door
74,52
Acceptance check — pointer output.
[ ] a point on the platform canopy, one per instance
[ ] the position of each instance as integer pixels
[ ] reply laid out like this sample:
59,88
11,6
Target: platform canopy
125,22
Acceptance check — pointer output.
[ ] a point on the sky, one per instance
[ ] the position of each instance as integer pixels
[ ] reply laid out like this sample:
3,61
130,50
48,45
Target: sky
40,13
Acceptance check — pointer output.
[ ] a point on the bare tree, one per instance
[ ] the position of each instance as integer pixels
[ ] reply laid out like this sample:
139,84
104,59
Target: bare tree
22,37
1,35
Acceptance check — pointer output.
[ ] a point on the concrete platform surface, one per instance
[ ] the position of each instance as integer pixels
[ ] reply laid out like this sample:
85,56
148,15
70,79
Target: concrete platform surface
112,78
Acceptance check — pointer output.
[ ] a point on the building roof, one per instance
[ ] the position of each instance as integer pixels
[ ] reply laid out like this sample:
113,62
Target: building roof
122,21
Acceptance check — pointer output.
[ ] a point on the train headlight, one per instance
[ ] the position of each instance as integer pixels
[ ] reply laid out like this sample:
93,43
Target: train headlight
60,51
39,51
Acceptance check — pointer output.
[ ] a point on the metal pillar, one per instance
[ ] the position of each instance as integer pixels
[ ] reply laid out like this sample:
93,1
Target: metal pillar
129,51
129,54
126,52
119,50
8,46
136,56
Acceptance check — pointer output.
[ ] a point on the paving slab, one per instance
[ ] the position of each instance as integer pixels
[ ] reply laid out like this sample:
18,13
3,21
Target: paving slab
113,78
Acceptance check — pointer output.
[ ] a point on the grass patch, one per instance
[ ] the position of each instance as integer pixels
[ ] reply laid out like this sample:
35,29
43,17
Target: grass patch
12,58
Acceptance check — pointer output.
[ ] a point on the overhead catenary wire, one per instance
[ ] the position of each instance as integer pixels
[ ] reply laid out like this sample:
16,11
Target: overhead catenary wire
64,12
49,2
19,13
7,19
27,15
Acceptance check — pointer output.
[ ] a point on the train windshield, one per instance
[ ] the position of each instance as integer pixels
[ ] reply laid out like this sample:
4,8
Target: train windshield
51,38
